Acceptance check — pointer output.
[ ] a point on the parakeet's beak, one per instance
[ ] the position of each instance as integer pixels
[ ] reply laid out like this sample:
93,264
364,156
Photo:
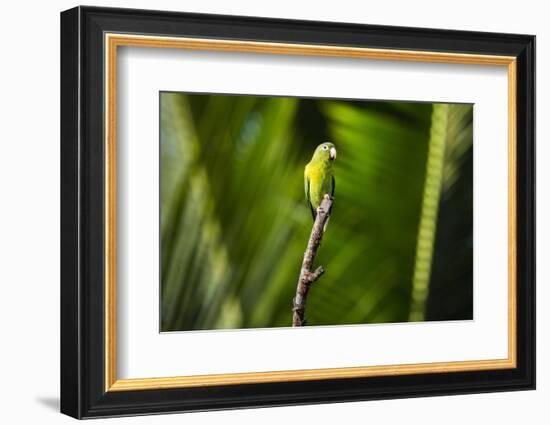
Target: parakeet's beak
332,153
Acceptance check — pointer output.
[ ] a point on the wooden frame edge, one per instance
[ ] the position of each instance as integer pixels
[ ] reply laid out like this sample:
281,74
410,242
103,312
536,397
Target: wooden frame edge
110,213
137,384
512,212
114,40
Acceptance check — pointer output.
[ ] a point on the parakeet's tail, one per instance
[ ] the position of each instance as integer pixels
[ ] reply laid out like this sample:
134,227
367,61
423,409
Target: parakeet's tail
313,213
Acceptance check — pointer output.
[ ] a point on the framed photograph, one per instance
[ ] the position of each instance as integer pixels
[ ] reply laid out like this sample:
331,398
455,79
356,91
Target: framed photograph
261,212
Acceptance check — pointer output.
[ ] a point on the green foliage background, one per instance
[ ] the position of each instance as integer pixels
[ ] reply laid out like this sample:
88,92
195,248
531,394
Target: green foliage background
234,223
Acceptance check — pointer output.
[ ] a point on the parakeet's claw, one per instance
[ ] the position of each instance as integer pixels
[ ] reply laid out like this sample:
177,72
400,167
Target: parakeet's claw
328,197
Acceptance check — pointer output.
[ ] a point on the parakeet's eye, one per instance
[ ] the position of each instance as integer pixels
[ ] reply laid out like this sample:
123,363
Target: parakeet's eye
325,147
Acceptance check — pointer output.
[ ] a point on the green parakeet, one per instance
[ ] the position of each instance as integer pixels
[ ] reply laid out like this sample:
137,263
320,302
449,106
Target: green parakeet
319,176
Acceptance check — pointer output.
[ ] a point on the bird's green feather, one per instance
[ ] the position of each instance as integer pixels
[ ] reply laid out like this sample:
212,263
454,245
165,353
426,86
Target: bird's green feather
308,200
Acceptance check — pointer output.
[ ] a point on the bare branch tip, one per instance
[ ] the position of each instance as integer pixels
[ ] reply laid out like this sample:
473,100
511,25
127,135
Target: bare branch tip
316,274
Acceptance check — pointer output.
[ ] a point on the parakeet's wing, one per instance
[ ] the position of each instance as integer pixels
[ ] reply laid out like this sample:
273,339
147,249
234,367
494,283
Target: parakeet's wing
308,199
333,186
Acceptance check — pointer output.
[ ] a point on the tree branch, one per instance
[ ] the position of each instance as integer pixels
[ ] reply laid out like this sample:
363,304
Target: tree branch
307,274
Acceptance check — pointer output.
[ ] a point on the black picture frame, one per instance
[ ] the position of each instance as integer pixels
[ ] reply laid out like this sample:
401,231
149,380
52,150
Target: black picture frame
83,392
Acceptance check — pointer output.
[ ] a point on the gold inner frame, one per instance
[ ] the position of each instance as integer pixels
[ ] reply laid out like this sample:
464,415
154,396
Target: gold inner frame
113,41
